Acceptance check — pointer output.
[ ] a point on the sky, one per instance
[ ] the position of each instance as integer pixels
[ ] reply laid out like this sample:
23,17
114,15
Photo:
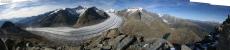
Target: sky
204,10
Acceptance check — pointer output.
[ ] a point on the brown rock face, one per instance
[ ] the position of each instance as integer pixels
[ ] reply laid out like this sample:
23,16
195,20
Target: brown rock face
90,17
224,32
141,22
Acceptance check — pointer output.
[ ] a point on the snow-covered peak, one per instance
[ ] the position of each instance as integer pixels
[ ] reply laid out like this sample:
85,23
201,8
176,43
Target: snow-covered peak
110,10
63,8
71,10
160,15
80,7
55,11
134,9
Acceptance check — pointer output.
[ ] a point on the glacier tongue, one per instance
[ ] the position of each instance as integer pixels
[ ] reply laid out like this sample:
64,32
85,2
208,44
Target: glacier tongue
70,35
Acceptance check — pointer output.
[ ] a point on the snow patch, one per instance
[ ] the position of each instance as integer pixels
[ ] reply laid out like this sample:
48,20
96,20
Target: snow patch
55,11
81,11
166,21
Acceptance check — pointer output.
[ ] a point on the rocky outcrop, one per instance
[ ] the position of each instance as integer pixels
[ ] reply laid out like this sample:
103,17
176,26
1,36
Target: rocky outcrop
125,43
224,34
115,40
2,45
184,47
14,35
90,17
110,40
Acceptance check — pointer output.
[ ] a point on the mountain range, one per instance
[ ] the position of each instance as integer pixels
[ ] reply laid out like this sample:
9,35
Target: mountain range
140,21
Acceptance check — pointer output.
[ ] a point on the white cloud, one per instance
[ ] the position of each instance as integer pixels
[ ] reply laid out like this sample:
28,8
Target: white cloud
20,0
4,2
24,8
214,2
27,12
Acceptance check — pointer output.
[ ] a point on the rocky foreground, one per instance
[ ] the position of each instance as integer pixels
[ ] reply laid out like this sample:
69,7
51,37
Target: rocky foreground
110,40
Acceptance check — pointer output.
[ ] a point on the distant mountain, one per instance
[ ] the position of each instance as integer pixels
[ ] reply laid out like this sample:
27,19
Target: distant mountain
90,17
206,25
201,28
59,17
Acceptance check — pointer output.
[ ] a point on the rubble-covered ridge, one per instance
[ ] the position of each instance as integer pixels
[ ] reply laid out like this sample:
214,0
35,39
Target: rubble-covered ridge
112,39
223,31
115,40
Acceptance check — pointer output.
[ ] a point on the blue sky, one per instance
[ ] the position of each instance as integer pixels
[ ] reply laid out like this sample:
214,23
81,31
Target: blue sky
179,8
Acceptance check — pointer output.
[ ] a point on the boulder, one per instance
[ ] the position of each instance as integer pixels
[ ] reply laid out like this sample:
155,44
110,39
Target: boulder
106,48
157,44
184,47
96,49
125,43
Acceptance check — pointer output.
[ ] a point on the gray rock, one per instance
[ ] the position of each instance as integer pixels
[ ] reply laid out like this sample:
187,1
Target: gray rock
157,44
2,45
100,45
184,47
106,48
125,43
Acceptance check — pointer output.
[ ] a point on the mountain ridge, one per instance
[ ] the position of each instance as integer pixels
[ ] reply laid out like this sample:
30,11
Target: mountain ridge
91,16
59,17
